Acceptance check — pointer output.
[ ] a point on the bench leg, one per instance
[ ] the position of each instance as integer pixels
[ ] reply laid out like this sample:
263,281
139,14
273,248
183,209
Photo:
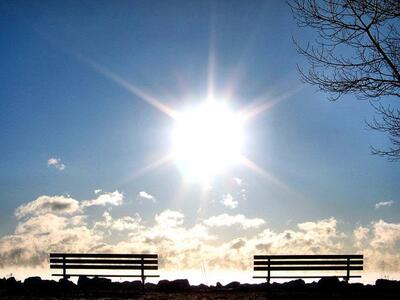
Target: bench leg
142,273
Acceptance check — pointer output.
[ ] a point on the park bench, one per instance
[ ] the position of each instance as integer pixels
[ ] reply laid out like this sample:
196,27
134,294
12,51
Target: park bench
289,263
85,261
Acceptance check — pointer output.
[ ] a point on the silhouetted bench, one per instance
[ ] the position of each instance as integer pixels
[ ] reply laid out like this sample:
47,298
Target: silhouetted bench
289,263
84,261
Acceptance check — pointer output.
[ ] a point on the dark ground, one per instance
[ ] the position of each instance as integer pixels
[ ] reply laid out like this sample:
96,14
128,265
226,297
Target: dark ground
101,288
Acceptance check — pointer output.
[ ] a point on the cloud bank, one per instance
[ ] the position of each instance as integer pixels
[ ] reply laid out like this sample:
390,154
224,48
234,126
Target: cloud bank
60,223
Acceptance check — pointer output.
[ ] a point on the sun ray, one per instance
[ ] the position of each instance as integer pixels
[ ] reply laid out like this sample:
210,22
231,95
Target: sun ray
254,167
156,103
211,59
164,160
265,103
211,68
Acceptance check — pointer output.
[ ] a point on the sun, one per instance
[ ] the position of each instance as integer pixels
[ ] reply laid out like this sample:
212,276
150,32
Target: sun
207,140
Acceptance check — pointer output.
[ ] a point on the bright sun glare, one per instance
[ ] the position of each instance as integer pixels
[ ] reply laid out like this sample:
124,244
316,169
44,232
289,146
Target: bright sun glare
207,140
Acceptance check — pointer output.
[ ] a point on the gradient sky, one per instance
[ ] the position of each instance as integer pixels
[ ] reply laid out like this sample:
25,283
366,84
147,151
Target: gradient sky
68,129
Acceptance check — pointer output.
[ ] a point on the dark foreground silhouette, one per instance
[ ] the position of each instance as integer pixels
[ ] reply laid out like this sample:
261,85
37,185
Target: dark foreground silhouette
102,288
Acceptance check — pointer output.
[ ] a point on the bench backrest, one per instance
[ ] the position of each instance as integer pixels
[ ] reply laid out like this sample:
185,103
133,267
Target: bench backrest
85,261
308,263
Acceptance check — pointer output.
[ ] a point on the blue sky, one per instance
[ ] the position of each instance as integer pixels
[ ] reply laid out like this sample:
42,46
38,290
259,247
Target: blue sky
54,104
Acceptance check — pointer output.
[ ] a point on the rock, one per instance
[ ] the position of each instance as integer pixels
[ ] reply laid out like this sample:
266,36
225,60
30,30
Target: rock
178,285
83,281
135,285
149,286
66,285
328,283
33,283
294,285
200,288
181,284
233,285
387,284
94,283
219,285
12,284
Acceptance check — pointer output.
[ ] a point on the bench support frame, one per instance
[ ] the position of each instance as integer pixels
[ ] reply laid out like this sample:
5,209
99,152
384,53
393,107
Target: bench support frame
97,261
314,263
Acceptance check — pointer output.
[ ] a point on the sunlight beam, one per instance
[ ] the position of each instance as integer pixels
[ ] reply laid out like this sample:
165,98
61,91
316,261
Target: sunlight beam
261,104
129,87
164,160
211,68
257,169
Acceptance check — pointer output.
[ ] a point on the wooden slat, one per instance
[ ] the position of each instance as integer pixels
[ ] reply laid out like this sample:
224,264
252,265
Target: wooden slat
359,256
306,262
108,267
309,268
103,255
103,261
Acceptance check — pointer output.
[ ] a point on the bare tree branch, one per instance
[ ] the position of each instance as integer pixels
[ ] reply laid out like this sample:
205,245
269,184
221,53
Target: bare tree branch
356,51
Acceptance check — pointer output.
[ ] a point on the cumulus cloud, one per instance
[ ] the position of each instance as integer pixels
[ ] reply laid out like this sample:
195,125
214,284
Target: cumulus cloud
170,218
360,235
225,220
381,247
310,238
385,234
48,204
56,163
146,196
38,235
126,223
228,201
65,205
97,191
45,227
114,198
384,204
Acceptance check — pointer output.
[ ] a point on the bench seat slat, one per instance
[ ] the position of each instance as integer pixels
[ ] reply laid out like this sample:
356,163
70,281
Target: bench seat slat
103,255
306,262
359,256
108,267
104,261
310,268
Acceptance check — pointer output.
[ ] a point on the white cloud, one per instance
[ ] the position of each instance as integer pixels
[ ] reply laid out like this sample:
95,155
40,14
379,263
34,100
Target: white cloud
49,224
114,198
384,204
97,191
48,204
120,224
311,238
385,234
225,220
169,218
146,196
65,205
238,181
381,247
228,201
56,163
360,235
